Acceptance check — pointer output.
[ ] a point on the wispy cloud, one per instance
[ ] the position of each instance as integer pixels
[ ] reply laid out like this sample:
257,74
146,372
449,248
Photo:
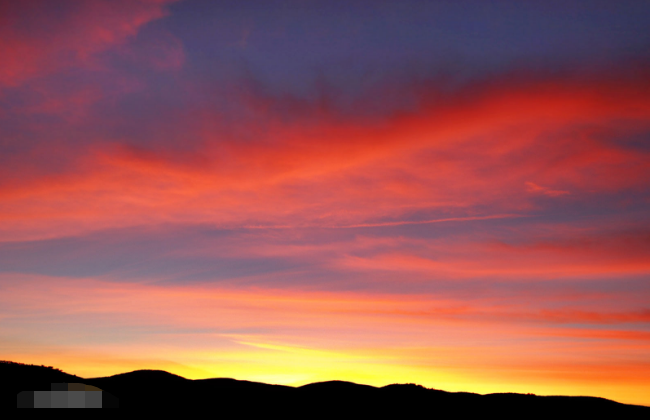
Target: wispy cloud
534,188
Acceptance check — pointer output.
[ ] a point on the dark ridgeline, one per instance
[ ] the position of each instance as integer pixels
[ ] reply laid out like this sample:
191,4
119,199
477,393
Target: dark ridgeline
152,389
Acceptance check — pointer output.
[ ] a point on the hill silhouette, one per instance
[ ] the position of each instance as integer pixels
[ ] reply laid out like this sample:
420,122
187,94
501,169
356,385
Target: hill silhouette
157,389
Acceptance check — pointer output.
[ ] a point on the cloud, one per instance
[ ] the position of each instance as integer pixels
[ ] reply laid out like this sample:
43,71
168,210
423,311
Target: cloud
534,188
469,258
445,160
387,220
41,37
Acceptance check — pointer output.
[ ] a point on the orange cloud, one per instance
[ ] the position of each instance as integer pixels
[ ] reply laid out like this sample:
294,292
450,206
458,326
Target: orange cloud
443,343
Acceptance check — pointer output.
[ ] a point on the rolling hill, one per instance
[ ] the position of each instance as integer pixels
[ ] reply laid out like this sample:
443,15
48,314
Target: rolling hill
156,389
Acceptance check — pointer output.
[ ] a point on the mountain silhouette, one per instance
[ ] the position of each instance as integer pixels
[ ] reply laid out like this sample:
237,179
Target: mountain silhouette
157,389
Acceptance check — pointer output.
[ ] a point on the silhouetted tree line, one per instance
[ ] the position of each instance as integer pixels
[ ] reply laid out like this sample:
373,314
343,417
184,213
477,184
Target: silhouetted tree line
26,364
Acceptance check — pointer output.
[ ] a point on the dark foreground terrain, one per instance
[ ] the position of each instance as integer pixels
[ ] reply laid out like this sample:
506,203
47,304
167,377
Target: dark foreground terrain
155,389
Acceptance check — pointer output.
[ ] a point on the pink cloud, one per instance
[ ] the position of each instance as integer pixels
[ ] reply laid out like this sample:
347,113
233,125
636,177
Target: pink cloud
534,188
34,43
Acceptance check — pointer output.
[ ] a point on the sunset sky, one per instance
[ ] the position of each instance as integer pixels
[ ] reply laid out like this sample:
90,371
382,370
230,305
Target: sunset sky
449,193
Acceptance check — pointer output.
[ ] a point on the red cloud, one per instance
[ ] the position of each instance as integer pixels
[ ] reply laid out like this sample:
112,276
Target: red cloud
39,37
476,150
534,188
569,255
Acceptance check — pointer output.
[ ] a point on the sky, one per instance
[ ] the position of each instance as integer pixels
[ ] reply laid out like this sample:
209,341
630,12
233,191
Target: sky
448,193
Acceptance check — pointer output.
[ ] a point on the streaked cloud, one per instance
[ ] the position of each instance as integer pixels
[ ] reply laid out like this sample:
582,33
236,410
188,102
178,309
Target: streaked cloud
274,191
